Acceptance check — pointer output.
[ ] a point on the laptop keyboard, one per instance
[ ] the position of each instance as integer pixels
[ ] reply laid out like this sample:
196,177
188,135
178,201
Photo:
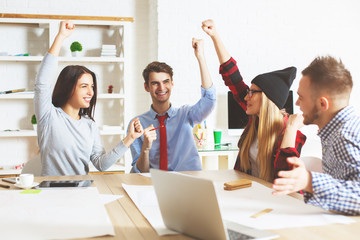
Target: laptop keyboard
237,236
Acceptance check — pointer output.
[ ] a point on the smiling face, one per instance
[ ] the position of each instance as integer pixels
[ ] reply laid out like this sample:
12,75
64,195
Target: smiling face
307,102
83,92
159,86
253,103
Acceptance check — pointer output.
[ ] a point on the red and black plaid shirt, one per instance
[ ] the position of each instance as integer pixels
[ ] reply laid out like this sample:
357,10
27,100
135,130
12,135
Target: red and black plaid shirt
233,79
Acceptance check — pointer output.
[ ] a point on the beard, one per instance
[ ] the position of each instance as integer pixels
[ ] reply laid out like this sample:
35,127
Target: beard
311,117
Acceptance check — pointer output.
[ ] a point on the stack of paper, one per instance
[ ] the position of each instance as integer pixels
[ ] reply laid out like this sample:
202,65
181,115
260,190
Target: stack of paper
53,214
108,51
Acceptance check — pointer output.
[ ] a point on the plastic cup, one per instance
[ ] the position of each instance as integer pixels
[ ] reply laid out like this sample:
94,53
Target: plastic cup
217,138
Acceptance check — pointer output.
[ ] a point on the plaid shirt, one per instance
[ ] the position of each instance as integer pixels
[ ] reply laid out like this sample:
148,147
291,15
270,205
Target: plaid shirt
338,188
233,79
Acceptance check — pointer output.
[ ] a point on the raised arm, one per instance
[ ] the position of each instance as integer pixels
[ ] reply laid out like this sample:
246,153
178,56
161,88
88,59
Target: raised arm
65,30
209,27
198,45
47,71
228,67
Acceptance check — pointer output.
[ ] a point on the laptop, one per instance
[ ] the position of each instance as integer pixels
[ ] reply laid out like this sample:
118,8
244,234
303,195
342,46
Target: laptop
189,205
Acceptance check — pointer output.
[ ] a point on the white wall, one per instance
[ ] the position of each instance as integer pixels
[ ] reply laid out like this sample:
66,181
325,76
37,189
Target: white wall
263,36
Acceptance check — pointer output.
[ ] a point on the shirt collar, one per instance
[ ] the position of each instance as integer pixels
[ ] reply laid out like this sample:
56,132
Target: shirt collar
171,112
344,115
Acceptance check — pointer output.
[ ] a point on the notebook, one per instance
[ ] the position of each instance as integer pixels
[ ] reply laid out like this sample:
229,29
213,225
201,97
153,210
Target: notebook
189,205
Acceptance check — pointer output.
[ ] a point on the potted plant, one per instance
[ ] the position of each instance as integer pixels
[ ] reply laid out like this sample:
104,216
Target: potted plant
34,122
110,88
75,47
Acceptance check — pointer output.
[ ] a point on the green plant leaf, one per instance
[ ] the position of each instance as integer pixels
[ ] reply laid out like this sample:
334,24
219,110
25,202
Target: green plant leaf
76,46
33,119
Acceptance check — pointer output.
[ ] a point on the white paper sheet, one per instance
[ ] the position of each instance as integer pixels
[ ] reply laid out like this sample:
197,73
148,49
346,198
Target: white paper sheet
145,174
145,200
53,214
239,205
108,198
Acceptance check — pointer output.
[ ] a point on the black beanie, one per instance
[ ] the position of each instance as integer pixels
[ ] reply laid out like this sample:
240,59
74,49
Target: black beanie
276,85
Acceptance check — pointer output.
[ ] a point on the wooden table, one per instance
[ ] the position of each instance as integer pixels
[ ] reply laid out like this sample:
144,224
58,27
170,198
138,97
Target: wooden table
130,224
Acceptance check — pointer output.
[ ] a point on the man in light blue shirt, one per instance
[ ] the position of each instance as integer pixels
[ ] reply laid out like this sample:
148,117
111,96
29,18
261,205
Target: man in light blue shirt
182,154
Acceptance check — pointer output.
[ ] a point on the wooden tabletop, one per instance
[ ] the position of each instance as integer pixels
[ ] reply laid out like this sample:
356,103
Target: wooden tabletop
130,224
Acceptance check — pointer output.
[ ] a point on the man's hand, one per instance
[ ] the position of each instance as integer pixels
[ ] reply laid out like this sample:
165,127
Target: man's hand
209,27
294,180
198,45
149,137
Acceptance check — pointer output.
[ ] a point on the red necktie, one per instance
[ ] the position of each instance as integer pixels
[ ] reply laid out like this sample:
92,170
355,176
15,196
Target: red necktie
163,142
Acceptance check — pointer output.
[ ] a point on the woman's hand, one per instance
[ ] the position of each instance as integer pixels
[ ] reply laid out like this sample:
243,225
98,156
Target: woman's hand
295,121
209,27
66,28
135,131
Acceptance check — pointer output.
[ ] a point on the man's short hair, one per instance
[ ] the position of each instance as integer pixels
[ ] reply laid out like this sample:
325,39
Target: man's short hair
156,67
330,75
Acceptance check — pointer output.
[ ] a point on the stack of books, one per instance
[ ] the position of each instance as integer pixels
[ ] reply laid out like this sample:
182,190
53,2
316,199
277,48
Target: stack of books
108,51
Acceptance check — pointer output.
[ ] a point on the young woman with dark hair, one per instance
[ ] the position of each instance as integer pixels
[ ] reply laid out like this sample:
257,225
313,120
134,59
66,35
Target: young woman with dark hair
67,134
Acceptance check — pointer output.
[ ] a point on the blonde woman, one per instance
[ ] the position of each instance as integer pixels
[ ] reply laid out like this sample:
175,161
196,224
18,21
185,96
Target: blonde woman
270,135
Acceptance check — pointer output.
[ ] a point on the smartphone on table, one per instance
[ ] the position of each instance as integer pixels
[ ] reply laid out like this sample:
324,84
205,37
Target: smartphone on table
10,179
70,183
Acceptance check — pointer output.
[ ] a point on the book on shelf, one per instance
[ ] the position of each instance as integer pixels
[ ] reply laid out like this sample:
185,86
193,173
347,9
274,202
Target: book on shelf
108,47
108,50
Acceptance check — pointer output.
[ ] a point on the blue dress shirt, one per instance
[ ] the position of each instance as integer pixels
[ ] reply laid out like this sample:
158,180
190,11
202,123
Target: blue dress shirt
181,149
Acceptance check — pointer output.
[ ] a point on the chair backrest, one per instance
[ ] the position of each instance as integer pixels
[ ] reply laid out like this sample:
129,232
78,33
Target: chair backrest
33,166
313,163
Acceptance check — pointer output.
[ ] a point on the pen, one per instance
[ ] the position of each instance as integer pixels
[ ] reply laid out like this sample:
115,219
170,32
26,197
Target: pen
4,186
12,91
267,210
155,128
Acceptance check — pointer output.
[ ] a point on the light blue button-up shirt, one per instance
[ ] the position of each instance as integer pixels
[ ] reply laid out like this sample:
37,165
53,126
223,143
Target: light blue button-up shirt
181,149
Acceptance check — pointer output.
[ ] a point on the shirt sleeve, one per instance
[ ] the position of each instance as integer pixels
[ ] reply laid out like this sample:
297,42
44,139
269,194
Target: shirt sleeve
202,109
101,159
282,154
43,86
334,194
135,148
233,79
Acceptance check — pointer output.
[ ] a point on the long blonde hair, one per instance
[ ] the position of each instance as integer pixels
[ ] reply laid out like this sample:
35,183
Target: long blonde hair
271,123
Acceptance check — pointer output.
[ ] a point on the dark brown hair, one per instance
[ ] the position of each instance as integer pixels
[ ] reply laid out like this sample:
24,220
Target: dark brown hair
326,73
156,67
66,84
